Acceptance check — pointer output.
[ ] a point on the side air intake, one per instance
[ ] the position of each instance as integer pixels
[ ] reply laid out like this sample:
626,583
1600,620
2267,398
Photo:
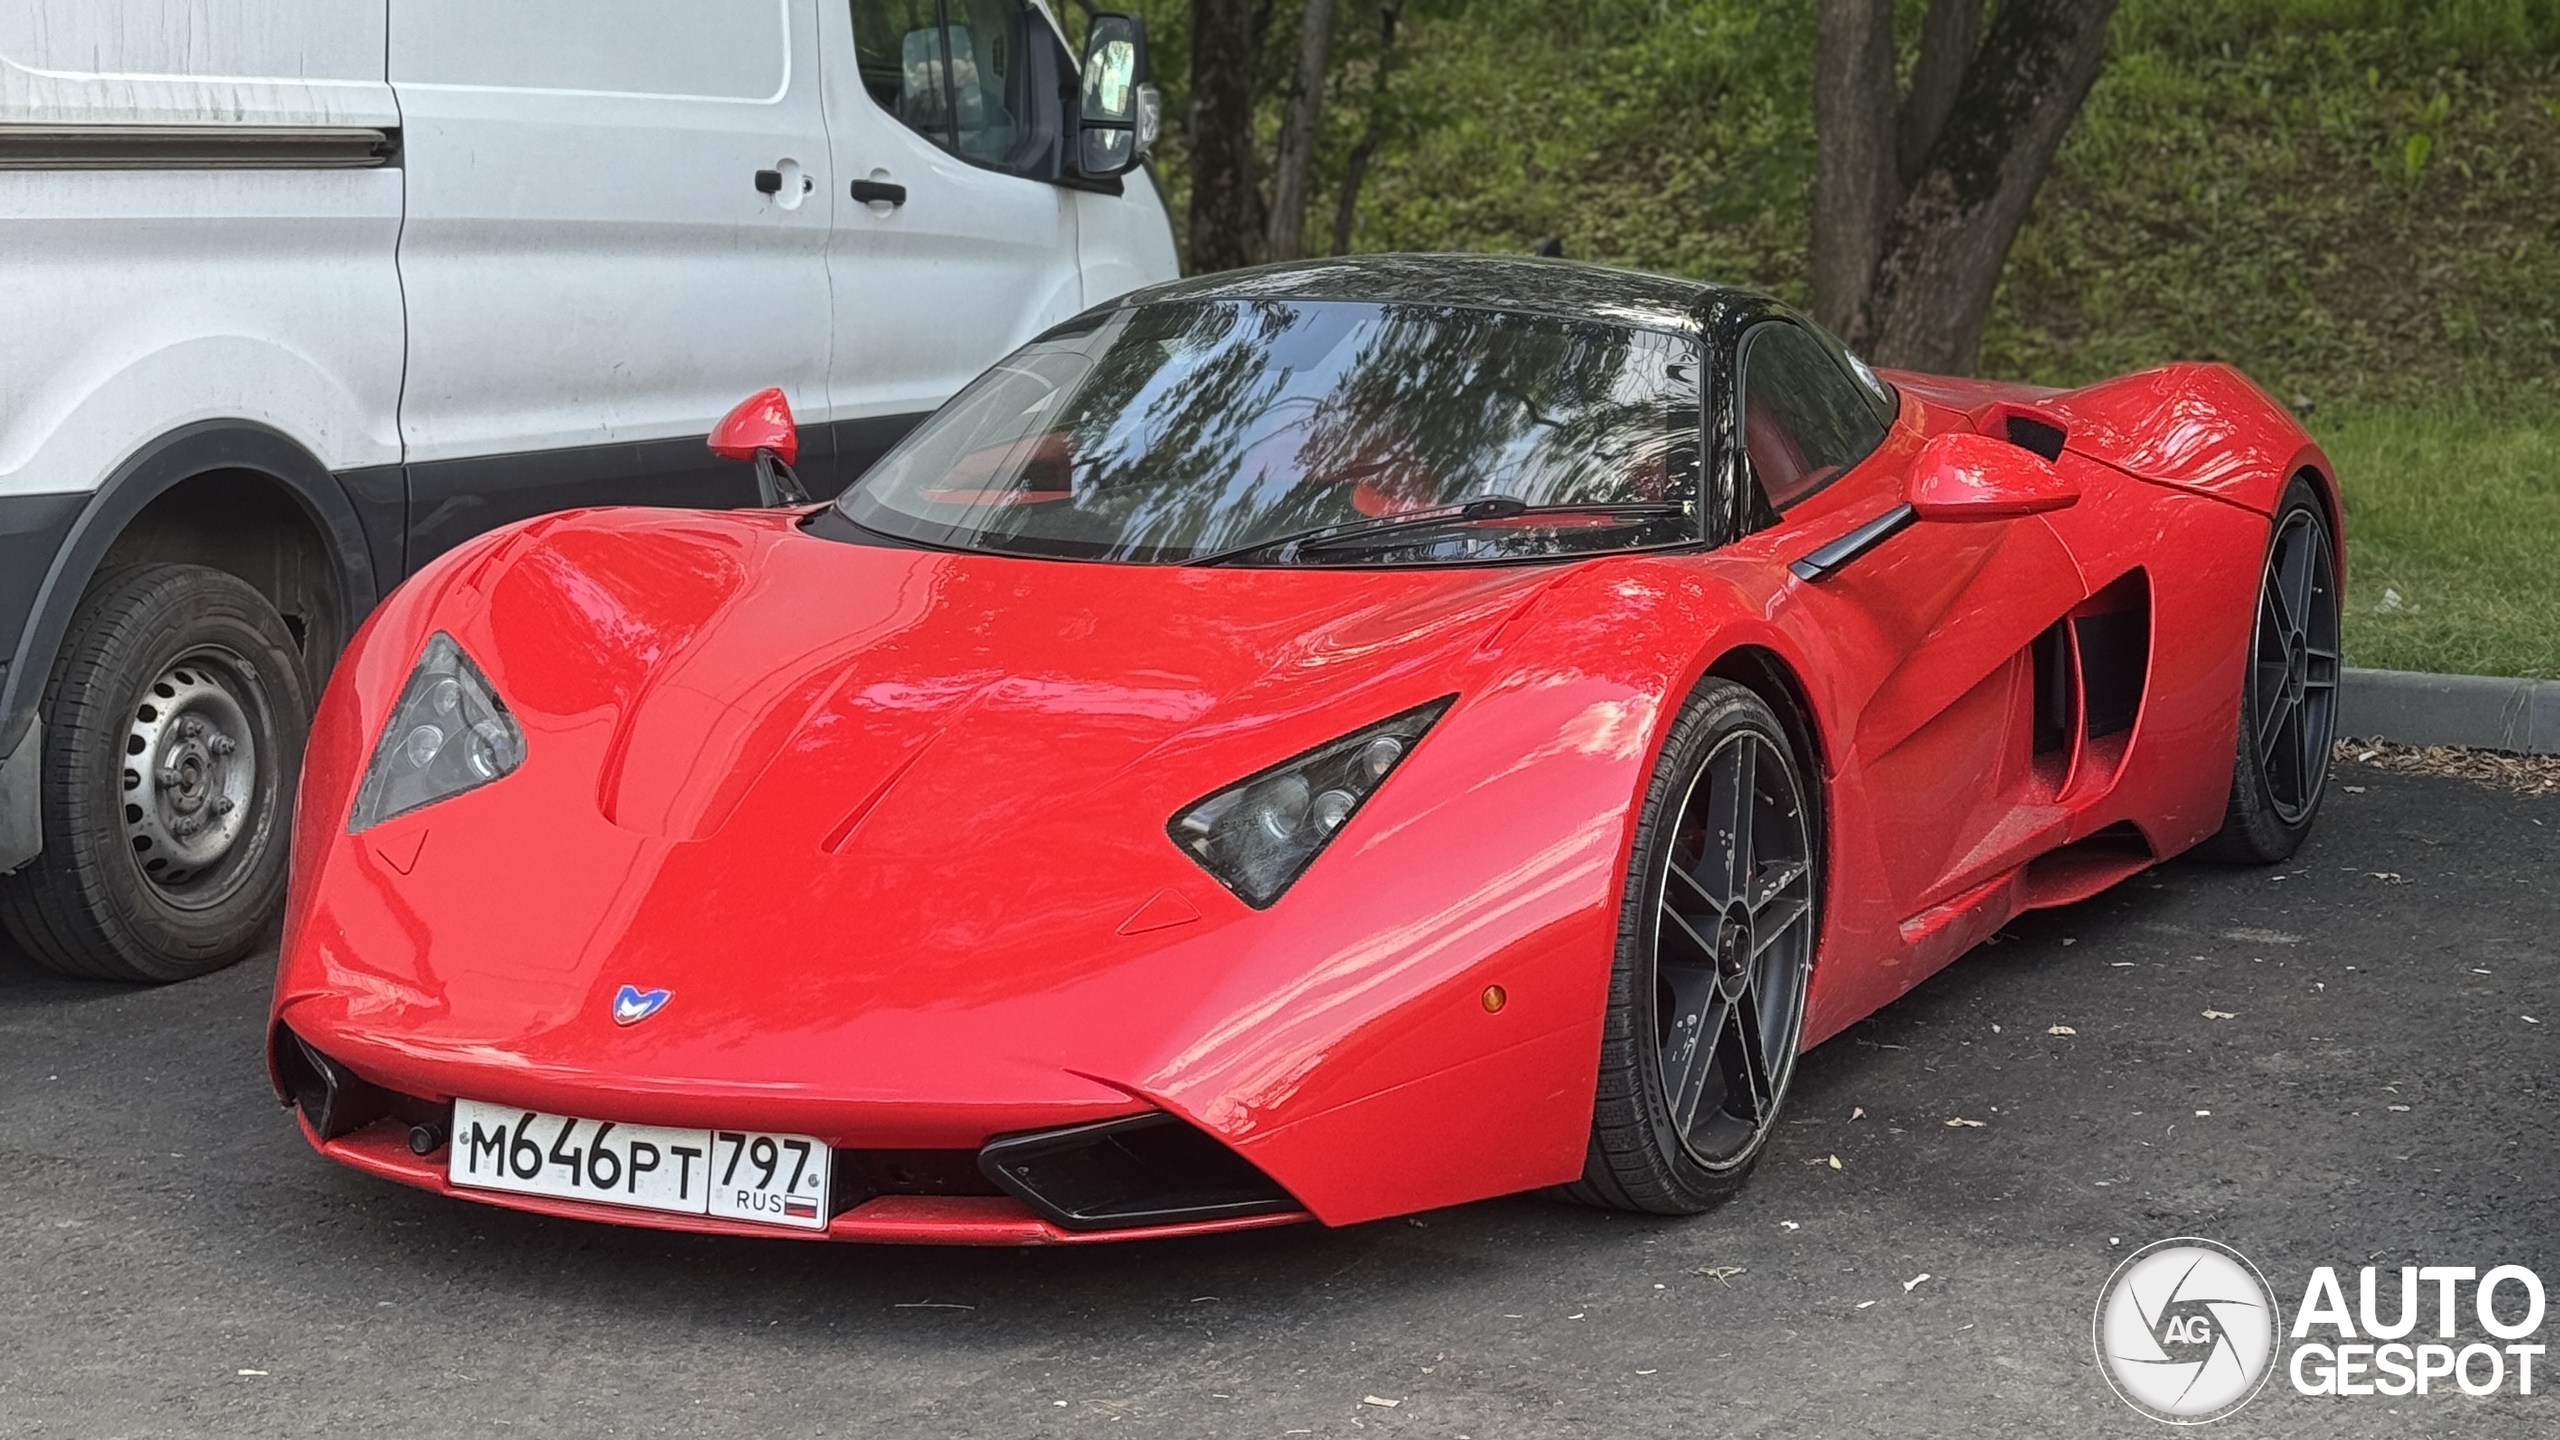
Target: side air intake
2029,433
1138,1170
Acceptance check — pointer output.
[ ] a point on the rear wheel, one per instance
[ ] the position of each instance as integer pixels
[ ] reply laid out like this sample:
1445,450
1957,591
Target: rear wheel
1715,946
174,721
2289,692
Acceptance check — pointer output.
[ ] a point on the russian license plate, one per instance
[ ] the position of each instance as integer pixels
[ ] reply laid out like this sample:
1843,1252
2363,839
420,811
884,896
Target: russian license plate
727,1174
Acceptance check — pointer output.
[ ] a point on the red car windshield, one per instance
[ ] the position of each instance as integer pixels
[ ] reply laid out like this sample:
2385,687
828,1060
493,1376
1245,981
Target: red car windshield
1182,431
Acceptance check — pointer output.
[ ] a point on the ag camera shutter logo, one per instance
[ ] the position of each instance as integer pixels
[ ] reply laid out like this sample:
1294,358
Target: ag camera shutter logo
2187,1330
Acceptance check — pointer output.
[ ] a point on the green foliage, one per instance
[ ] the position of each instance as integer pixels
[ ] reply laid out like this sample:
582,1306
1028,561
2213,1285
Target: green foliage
1673,136
2351,199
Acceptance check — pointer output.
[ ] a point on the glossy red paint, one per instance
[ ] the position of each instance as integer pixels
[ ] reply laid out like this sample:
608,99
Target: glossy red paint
1966,476
890,823
762,421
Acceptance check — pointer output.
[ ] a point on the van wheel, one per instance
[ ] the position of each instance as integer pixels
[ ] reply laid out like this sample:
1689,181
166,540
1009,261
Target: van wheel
174,722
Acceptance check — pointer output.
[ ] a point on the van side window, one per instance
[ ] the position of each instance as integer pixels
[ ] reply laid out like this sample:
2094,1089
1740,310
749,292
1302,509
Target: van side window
954,71
1804,420
703,49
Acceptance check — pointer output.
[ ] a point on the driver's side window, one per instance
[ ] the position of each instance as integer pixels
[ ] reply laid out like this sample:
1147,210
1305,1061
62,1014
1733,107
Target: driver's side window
1804,419
957,72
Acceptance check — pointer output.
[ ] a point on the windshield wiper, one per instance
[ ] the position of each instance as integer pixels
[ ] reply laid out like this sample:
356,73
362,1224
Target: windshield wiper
1438,517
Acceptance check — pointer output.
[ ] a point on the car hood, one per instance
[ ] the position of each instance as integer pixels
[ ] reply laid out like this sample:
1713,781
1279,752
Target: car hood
831,794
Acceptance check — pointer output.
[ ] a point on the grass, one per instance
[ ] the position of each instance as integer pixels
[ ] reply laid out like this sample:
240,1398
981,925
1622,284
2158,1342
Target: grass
2453,536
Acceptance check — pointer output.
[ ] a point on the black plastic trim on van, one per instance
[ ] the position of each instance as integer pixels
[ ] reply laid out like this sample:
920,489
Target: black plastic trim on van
198,147
181,455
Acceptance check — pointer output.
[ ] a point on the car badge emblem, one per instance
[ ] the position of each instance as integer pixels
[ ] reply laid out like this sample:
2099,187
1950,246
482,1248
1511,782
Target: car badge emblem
631,1004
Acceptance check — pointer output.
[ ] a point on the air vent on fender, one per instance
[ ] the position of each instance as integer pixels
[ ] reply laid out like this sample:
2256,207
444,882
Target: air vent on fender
2030,433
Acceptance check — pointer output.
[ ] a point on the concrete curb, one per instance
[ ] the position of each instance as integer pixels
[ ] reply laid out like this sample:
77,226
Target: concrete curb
2476,712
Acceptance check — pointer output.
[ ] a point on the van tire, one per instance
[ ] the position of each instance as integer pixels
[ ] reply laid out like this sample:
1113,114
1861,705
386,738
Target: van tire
171,676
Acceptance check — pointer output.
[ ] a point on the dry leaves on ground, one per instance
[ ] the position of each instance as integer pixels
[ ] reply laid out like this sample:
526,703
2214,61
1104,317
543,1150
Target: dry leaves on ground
2524,774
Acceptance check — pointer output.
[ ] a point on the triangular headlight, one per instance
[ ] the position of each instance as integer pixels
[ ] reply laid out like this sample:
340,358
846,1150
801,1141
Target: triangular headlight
449,733
1260,834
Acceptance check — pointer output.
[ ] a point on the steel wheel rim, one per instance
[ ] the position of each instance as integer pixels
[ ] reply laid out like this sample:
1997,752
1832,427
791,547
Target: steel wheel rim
2294,657
199,755
1733,940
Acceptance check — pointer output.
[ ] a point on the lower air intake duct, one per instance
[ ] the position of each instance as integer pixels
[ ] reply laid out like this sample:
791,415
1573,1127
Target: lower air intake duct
1138,1170
333,1099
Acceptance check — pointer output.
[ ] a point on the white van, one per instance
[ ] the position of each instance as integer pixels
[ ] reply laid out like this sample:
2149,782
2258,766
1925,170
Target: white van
297,294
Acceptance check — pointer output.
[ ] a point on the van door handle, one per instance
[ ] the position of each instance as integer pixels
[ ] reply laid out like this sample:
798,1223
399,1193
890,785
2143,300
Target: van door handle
880,192
769,182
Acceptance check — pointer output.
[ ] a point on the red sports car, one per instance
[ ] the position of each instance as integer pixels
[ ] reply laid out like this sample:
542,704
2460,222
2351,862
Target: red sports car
1318,742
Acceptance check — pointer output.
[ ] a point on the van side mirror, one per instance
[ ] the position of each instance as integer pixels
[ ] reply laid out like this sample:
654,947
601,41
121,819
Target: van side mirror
759,430
1120,112
1965,476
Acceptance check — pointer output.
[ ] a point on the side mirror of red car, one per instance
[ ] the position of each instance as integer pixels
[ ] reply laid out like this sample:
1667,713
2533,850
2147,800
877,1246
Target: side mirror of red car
760,431
1960,476
1964,476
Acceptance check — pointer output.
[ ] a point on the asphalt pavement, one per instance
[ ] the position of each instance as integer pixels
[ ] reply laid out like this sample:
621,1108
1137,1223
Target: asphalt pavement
175,1262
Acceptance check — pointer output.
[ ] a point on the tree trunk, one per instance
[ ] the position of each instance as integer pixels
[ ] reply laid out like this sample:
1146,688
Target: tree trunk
1347,205
1951,234
1853,187
1226,201
1301,125
1948,35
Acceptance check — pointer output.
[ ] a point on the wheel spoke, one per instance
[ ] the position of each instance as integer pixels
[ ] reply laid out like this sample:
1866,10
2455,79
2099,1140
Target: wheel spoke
2272,603
1689,1055
1745,1060
1689,894
2271,732
1778,921
2270,698
2293,575
1776,878
1729,779
1683,948
2297,770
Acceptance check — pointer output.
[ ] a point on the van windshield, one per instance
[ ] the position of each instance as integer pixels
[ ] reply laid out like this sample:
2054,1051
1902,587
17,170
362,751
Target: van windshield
1269,431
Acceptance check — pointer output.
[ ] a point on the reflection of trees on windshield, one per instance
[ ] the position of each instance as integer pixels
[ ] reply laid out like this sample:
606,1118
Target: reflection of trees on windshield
1480,404
1187,428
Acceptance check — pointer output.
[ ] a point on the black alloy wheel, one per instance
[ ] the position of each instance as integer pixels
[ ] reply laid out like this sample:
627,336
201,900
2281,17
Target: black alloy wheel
2289,693
1707,999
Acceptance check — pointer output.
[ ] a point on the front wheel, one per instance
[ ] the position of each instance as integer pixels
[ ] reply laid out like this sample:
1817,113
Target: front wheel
174,721
1715,948
2288,693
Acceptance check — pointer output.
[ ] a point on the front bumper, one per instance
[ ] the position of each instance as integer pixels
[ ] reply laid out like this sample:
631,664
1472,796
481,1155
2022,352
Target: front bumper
1141,1175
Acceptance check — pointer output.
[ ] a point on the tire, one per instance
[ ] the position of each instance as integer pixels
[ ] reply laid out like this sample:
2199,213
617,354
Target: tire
168,870
1715,948
2288,691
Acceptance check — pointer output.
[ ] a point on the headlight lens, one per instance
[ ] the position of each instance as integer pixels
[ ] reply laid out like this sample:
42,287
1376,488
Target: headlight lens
449,733
1259,835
